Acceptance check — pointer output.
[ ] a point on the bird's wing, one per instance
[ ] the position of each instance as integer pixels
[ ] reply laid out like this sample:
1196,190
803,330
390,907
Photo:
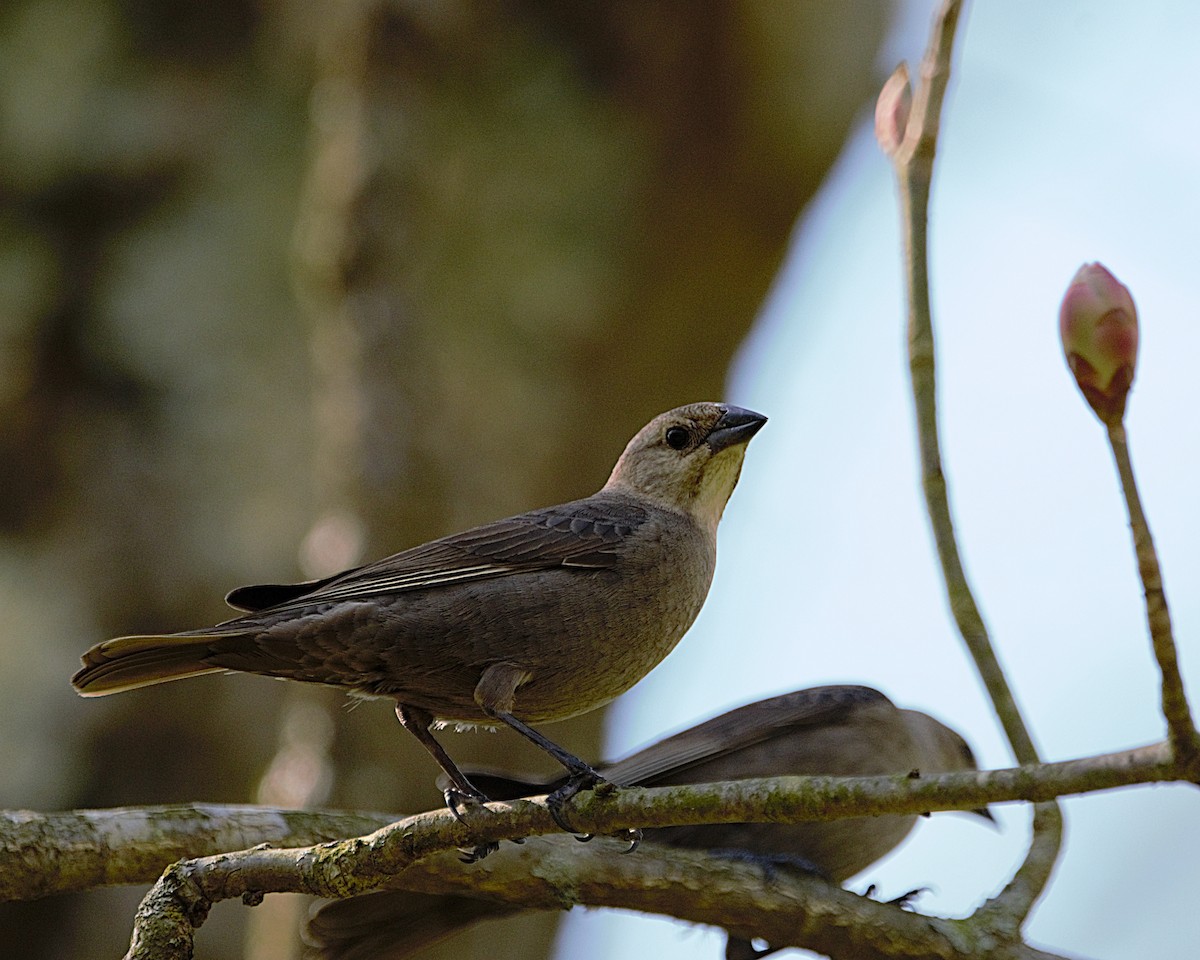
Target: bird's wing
260,596
742,728
393,923
584,534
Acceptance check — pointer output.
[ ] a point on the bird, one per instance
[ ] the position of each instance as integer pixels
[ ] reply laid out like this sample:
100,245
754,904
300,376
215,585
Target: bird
837,730
537,617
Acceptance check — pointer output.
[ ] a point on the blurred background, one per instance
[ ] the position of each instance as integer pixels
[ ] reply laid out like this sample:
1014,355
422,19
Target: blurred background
284,286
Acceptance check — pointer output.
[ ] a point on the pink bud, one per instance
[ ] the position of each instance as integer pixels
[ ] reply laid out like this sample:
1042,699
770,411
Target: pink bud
1098,325
892,110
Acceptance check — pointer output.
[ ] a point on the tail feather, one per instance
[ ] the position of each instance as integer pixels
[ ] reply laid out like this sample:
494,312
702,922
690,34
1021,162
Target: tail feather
392,924
127,663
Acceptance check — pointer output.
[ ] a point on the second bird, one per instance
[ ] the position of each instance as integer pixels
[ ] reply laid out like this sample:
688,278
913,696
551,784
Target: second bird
540,616
828,731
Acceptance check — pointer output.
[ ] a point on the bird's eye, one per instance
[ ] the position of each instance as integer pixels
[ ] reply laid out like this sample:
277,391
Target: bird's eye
677,438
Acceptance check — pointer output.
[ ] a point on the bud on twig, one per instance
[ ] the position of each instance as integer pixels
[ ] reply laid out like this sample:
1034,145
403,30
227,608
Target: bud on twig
892,110
1098,325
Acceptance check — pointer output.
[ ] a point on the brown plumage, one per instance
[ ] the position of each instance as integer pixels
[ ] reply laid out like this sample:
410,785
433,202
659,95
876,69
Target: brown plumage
834,730
536,617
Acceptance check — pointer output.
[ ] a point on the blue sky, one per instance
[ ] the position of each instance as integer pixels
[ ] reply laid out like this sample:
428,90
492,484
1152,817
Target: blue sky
1069,135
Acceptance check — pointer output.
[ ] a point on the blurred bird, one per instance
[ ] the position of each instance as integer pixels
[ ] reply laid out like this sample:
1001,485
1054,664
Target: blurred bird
537,617
832,731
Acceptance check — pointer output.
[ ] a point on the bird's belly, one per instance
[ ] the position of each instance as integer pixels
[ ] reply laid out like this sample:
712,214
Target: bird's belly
838,849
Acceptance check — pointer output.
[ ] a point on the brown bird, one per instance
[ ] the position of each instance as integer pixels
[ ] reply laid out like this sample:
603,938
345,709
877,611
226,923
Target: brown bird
537,617
833,731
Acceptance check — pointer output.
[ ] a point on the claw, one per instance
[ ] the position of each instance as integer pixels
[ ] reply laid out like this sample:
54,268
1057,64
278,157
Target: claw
554,805
583,780
904,901
456,799
458,802
475,854
634,836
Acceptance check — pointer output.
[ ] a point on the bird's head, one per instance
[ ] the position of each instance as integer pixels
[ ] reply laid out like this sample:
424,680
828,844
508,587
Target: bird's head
689,458
942,750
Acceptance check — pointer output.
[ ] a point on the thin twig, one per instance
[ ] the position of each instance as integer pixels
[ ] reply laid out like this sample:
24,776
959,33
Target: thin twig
913,160
1175,707
914,174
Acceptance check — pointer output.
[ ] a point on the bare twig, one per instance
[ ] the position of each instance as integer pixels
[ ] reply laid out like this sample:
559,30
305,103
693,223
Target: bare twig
1175,707
912,155
914,173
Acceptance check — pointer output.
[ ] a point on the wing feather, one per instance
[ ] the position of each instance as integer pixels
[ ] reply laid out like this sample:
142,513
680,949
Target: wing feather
741,728
584,534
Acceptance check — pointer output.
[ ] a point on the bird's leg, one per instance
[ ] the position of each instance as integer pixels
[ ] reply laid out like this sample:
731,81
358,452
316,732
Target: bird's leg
495,694
460,793
581,776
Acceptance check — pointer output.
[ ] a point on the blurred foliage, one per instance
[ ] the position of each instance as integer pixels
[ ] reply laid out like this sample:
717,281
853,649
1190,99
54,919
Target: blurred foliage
287,284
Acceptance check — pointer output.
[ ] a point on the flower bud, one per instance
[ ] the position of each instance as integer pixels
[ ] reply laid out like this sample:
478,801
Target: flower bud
892,110
1098,325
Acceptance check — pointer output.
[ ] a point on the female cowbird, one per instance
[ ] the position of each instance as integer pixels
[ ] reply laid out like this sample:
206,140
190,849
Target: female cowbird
540,616
829,731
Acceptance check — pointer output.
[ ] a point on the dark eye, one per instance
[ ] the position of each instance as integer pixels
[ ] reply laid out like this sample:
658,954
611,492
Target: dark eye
677,438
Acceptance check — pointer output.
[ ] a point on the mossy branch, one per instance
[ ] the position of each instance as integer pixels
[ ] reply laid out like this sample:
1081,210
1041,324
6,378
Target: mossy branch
51,853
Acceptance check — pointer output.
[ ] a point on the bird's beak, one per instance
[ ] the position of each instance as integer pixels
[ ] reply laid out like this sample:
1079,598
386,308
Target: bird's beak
737,425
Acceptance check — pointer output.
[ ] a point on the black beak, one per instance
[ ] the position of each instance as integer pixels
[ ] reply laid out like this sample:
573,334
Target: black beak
737,425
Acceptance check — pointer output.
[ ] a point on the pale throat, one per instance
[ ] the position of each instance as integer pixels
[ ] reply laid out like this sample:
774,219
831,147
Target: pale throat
716,486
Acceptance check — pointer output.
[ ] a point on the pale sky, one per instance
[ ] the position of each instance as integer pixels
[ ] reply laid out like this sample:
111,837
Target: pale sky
1069,135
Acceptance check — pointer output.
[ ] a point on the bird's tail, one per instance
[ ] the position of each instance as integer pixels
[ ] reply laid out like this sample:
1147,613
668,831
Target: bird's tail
127,663
393,924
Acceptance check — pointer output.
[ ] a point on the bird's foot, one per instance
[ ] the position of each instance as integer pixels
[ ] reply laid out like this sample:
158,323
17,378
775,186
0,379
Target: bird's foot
458,801
581,780
478,852
904,901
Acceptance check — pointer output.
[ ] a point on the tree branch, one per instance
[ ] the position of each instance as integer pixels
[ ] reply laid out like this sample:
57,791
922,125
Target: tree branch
786,908
128,845
48,853
912,153
913,163
1158,616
